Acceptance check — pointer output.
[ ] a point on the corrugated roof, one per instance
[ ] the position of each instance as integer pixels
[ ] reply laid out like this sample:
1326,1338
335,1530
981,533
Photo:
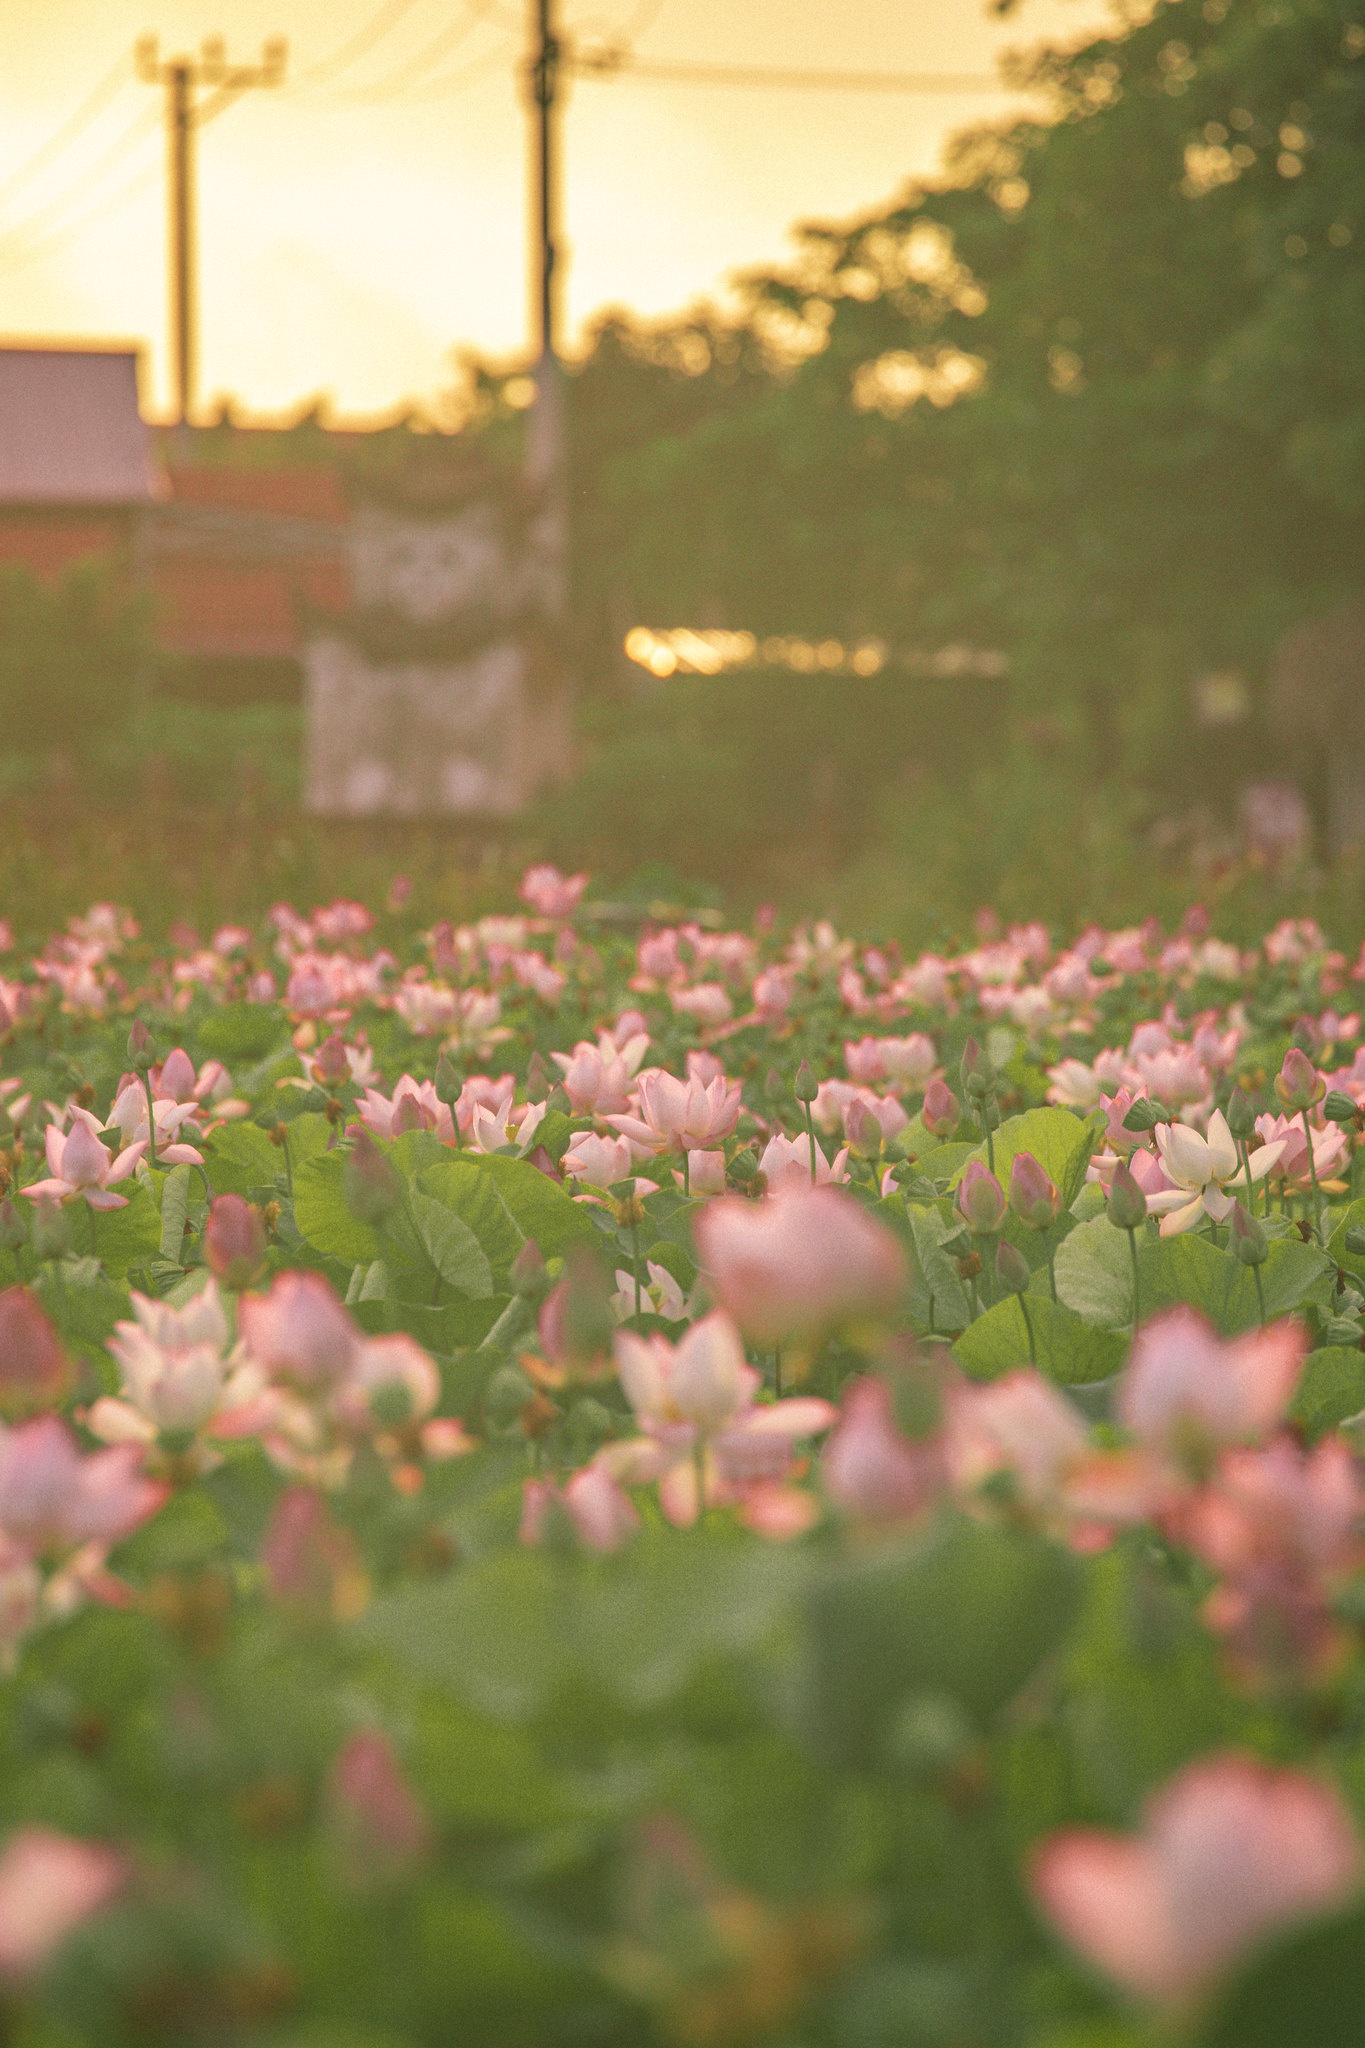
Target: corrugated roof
70,430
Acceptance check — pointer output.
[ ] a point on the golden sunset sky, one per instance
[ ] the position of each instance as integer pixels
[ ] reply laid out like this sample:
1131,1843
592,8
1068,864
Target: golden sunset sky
370,216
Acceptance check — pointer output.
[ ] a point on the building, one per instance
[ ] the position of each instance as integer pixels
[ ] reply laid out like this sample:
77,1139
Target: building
77,470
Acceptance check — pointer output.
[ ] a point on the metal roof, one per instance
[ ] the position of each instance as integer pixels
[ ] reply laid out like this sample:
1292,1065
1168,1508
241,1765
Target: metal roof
70,430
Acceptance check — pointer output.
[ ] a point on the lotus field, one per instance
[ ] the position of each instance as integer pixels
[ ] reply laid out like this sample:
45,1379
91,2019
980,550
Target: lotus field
568,1481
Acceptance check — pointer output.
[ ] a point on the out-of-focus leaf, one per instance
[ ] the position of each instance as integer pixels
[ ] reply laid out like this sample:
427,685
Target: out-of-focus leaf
963,1610
240,1158
1095,1274
126,1237
1331,1389
451,1245
1306,1989
1068,1350
1190,1268
323,1215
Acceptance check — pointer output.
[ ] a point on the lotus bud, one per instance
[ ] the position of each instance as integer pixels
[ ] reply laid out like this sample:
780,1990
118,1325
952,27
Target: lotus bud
13,1228
537,1079
1033,1197
576,1325
505,1396
234,1241
1012,1269
941,1111
407,1116
743,1167
1306,1037
529,1276
369,1184
449,1081
142,1048
862,1130
35,1371
978,1072
51,1230
1241,1115
1298,1084
981,1200
1127,1208
805,1087
331,1067
1247,1238
1338,1107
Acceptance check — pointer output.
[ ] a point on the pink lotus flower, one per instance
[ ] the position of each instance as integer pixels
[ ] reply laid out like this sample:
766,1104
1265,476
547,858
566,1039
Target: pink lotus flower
175,1369
413,1106
1281,1527
681,1114
602,1516
598,1162
1200,1170
1074,1085
706,1003
300,1333
1186,1387
870,1469
1230,1852
50,1884
54,1500
980,1199
78,1164
598,1078
786,1164
551,894
1331,1150
130,1114
909,1062
1020,1425
695,1402
380,1822
660,1294
798,1263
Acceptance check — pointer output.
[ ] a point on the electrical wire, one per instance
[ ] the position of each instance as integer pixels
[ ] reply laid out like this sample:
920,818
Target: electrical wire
62,238
612,62
359,45
475,15
75,124
40,220
442,88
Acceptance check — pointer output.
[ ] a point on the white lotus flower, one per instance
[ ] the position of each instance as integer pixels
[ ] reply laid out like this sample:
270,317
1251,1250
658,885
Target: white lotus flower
1202,1169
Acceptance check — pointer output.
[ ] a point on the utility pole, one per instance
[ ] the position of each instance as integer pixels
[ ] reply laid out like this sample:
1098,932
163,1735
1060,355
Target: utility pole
180,76
545,449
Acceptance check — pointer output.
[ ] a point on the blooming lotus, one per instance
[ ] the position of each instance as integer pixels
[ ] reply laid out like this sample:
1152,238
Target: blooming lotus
798,1263
596,1161
79,1165
688,1115
53,1500
705,1439
1230,1851
551,893
660,1294
1199,1169
177,1371
1184,1385
598,1078
413,1106
601,1515
786,1163
1331,1150
129,1113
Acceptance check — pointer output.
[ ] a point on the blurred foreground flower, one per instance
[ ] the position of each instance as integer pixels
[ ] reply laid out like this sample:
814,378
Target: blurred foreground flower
49,1885
1230,1852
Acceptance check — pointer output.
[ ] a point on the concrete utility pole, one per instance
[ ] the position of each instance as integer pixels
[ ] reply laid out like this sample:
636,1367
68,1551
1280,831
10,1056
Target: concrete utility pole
179,76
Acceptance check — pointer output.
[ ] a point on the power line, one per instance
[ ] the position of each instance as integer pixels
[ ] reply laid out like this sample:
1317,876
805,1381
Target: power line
359,45
609,62
75,124
475,15
140,126
441,88
62,237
